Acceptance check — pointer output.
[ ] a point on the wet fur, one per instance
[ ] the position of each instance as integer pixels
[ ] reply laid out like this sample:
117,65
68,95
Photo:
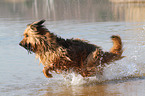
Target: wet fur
67,55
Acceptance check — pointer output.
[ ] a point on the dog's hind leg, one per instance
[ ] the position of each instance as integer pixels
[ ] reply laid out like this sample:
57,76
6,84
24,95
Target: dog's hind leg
92,61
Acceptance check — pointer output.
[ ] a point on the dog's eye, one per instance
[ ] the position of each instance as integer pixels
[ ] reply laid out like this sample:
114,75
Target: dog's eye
45,37
26,35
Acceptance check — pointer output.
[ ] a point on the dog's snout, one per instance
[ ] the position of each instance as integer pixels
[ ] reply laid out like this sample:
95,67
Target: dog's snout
20,44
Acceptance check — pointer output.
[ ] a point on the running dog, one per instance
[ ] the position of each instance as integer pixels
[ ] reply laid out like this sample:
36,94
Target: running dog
67,55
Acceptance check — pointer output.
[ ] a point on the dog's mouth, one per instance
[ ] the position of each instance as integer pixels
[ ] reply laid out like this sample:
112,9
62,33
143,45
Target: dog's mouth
28,47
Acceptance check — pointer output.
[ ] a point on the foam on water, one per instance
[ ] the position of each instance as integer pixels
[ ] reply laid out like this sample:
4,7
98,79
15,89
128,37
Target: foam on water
120,70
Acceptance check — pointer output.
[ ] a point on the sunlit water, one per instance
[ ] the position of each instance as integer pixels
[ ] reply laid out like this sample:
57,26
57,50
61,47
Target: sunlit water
21,74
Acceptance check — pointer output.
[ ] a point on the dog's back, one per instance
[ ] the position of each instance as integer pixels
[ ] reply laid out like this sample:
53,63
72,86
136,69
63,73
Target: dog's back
79,49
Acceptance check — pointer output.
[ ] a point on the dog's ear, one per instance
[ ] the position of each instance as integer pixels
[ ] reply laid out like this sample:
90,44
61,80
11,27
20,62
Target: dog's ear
33,27
39,22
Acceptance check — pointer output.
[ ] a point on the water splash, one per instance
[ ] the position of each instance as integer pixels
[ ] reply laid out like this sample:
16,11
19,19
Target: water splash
115,71
120,70
74,79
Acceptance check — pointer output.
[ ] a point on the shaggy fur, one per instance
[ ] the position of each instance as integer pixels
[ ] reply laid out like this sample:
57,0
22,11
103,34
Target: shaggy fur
59,55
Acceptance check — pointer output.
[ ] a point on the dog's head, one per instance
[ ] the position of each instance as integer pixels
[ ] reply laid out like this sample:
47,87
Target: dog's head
33,35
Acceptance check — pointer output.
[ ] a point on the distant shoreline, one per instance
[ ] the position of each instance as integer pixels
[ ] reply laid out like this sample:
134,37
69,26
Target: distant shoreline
128,1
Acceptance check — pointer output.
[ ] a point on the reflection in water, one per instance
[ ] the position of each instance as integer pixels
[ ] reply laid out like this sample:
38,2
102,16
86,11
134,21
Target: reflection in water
100,90
113,88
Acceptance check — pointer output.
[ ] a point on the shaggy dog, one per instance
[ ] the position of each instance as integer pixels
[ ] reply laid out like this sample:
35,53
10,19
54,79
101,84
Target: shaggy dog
67,55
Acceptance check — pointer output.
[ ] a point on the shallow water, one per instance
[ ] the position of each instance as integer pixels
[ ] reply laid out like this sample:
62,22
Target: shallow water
20,72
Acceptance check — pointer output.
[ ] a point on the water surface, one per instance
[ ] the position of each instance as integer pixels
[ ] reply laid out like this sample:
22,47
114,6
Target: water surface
92,20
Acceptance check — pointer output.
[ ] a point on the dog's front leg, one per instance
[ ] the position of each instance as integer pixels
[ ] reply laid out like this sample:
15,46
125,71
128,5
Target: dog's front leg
46,73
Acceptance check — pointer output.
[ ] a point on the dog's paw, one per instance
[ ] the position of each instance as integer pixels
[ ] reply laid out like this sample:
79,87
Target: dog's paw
46,72
48,75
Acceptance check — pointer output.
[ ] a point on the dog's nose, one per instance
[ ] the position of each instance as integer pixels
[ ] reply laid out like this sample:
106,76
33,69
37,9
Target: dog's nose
20,44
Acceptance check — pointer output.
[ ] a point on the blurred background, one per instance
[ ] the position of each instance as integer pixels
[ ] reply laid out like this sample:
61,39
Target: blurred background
87,10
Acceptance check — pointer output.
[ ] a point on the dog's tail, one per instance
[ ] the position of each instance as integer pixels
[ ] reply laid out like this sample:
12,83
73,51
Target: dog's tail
117,45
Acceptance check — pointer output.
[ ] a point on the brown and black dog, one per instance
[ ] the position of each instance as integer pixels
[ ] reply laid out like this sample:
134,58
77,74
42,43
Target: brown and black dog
67,55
